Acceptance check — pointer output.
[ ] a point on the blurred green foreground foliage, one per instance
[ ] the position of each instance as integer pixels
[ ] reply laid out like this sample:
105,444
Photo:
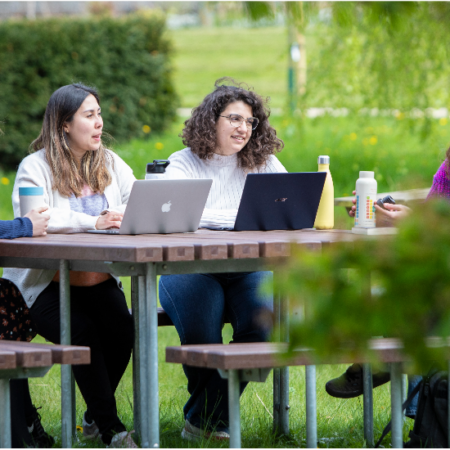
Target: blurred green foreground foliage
392,286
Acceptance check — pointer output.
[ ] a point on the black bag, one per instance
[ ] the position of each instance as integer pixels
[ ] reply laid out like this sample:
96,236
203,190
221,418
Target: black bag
431,423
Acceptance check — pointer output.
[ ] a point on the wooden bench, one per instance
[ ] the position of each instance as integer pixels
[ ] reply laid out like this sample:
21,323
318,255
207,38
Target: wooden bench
253,362
29,360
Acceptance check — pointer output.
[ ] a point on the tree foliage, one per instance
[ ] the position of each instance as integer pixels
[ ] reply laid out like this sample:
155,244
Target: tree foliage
127,59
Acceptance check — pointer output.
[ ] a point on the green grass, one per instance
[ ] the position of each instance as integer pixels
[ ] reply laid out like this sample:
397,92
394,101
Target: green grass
340,422
257,56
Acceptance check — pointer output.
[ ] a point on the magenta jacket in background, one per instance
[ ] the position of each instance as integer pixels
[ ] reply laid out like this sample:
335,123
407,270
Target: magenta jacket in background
441,183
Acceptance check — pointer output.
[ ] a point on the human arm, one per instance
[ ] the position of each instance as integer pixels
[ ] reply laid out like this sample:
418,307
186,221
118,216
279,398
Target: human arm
19,227
391,214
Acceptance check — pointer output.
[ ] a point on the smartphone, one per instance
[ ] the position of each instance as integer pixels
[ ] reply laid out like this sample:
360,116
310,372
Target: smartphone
387,199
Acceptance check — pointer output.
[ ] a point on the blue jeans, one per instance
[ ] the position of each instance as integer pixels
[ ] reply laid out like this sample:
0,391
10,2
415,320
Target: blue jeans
197,305
413,381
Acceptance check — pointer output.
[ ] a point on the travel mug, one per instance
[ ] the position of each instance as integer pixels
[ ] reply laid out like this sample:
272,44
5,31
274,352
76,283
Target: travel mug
30,198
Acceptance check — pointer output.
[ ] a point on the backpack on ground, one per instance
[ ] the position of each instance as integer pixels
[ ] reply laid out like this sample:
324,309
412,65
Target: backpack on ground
431,422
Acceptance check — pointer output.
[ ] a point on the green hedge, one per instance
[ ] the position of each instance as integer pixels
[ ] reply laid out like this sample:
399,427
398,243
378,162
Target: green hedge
127,59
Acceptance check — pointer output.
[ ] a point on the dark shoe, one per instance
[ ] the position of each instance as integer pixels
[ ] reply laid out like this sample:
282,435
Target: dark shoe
40,438
350,383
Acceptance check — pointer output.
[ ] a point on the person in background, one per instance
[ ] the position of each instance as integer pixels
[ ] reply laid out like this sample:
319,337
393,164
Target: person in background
350,384
86,187
227,137
16,325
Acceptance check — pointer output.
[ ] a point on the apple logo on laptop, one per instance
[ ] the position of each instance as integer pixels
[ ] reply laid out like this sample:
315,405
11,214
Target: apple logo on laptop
166,207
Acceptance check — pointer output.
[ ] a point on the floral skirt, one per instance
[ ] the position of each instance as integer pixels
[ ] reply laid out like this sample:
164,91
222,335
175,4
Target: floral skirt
15,320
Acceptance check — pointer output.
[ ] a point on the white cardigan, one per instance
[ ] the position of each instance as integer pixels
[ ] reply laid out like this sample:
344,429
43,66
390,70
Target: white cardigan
228,182
35,171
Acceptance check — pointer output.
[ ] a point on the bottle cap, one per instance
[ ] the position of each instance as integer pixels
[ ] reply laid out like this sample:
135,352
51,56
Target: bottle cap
157,166
366,174
324,159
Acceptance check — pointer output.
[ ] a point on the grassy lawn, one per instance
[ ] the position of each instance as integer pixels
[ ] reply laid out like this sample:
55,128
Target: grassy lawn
401,158
257,56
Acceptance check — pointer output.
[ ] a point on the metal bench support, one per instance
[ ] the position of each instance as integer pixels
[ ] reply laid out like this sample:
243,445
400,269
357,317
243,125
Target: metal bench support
311,407
368,405
396,405
234,409
234,379
5,398
5,414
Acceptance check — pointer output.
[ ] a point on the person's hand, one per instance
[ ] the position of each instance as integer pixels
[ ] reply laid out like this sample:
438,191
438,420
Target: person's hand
39,220
352,211
387,217
109,219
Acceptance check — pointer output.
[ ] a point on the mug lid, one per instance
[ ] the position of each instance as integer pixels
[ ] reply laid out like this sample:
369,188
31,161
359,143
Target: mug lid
31,190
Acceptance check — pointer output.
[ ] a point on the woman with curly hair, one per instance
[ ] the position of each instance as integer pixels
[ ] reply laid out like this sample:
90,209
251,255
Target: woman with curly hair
227,137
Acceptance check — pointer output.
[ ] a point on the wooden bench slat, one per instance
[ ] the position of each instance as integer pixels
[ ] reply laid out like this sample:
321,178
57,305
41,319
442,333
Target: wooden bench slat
266,355
27,356
7,360
61,354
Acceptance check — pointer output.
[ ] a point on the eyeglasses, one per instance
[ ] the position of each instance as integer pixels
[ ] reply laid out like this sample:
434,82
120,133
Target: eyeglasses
236,121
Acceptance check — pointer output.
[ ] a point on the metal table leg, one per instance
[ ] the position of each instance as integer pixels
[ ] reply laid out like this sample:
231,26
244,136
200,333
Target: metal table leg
396,405
368,405
5,414
136,357
311,409
234,409
140,361
152,346
66,369
281,376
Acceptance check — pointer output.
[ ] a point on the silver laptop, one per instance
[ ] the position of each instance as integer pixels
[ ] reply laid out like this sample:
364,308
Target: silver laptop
163,206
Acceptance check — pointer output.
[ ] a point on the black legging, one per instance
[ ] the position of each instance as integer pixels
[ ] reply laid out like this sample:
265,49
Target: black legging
21,408
100,320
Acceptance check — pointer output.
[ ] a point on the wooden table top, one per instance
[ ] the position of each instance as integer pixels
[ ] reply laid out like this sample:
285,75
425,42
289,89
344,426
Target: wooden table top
203,244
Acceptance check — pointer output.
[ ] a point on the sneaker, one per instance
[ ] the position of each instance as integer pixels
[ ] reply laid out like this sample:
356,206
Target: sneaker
123,440
40,438
350,383
192,433
90,430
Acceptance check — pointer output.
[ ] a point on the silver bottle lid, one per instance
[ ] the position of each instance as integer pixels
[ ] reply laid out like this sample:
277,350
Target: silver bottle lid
324,159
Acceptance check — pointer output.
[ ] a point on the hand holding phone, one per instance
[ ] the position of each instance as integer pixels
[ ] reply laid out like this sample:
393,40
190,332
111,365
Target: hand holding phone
387,199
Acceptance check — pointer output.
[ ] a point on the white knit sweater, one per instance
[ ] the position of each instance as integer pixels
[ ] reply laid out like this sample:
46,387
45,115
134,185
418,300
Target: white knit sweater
35,171
228,182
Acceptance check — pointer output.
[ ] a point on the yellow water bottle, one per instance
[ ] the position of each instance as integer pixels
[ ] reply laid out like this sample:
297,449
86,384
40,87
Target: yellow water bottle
325,213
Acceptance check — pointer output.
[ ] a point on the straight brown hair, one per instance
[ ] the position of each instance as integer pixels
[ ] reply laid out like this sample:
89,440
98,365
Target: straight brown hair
68,178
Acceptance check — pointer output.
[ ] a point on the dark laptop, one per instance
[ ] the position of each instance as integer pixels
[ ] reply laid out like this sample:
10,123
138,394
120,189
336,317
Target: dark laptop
279,201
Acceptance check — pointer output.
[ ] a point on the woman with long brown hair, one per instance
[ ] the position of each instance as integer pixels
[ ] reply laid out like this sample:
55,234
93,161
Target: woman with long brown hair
227,137
86,186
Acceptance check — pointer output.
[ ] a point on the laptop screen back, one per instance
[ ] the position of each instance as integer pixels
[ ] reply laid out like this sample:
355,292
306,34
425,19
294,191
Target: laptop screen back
280,201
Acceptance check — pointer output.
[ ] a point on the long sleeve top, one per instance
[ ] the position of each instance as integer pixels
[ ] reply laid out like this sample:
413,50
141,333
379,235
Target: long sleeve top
228,182
34,170
19,227
441,183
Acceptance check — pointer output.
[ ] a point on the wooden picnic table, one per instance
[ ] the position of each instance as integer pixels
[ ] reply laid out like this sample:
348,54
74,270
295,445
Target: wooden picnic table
402,197
144,257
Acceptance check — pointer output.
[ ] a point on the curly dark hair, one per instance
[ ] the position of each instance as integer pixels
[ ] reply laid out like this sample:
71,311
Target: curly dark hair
199,132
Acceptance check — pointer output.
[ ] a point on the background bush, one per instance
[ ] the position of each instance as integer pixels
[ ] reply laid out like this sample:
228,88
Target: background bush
126,59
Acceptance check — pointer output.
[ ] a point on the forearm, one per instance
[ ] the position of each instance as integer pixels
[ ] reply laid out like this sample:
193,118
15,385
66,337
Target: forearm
19,227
